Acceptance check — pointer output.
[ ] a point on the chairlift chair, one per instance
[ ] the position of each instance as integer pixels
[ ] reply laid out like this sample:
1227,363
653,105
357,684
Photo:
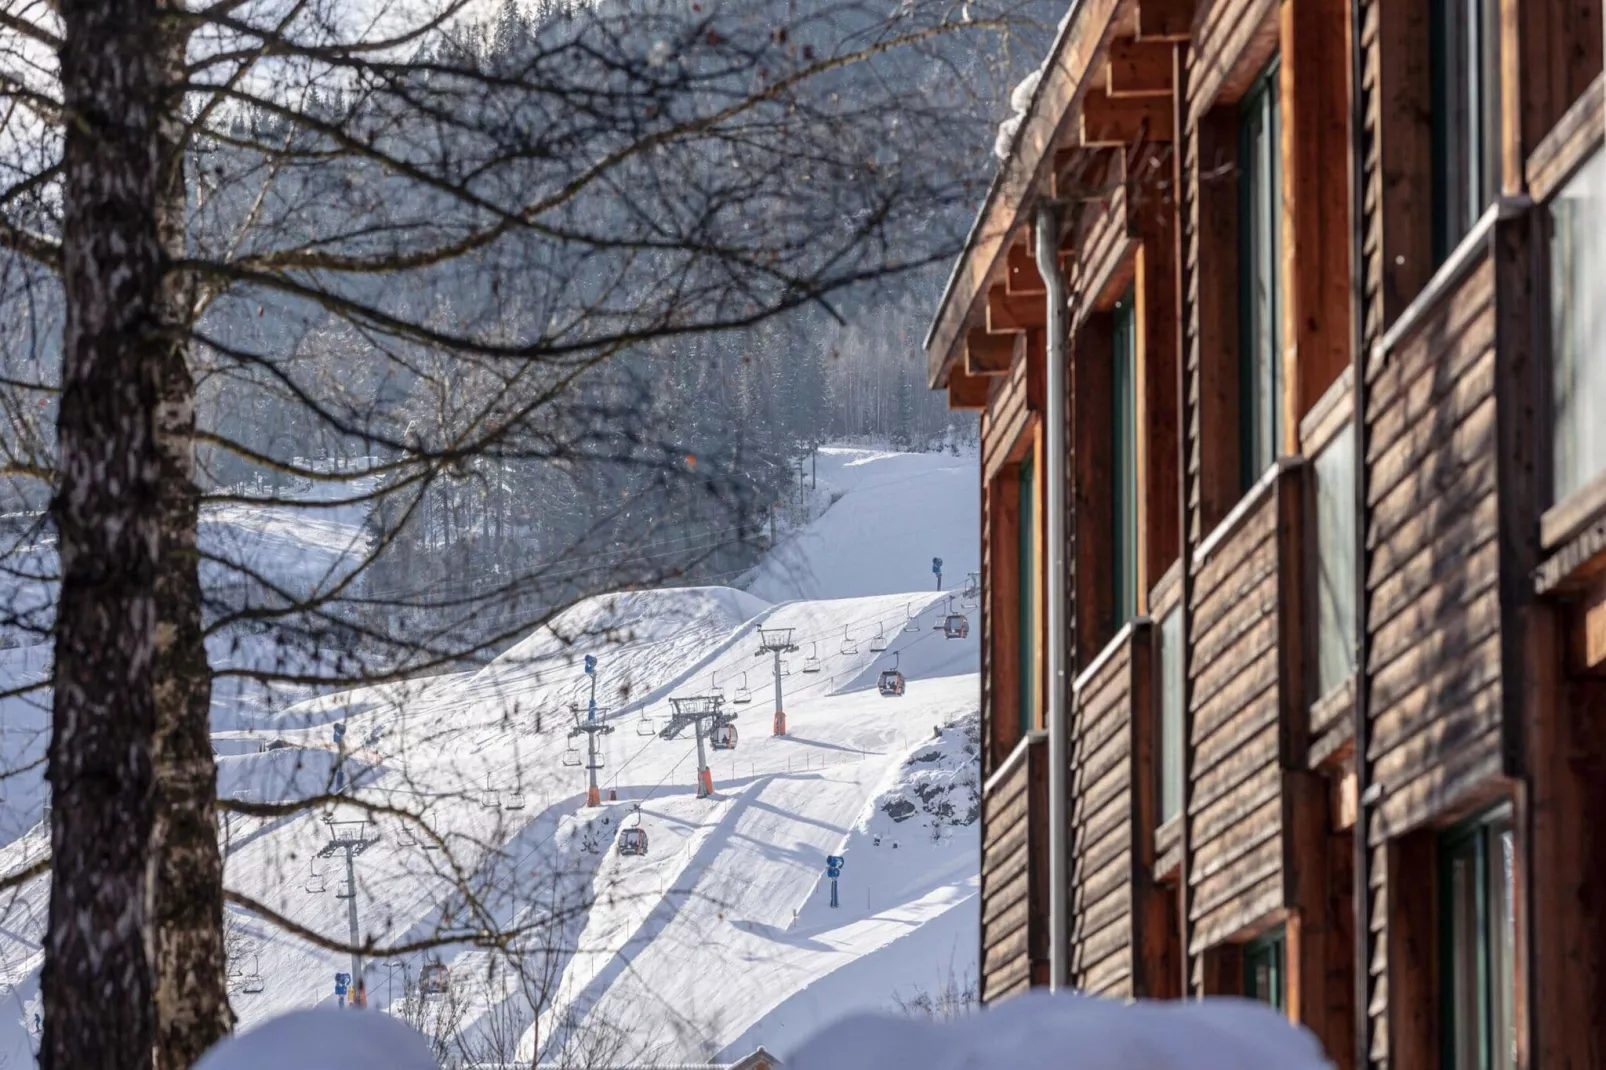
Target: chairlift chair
911,619
315,882
644,726
513,800
347,890
714,688
879,643
571,755
891,683
812,663
489,799
723,737
848,644
743,694
252,982
404,835
971,595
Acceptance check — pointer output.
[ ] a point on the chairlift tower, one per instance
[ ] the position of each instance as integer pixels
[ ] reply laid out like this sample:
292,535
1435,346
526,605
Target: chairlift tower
591,725
776,641
353,838
703,713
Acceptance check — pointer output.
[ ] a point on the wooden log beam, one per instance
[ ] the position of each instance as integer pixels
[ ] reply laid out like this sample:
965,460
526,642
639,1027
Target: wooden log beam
993,354
1021,277
1138,68
1008,312
1164,20
1112,121
966,391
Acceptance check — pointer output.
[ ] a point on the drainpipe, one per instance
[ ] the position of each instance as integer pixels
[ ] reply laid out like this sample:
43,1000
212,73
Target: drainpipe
1361,891
1048,240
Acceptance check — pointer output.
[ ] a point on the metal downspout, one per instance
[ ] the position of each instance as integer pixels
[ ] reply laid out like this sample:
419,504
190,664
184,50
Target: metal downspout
1361,890
1048,239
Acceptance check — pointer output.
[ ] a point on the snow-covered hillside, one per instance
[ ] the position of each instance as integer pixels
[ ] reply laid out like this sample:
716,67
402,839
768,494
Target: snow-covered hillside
722,936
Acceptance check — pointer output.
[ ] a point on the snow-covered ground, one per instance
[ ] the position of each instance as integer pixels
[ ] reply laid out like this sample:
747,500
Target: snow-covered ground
722,936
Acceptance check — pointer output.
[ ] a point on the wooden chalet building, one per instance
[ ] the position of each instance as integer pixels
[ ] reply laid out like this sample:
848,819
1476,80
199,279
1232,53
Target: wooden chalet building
1286,321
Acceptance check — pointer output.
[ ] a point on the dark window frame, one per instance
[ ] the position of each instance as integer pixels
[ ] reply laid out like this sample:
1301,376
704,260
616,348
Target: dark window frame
1026,574
1260,243
1271,950
1475,842
1466,116
1124,459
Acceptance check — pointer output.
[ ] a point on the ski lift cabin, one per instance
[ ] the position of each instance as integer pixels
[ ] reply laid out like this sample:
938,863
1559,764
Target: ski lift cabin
955,626
633,838
632,841
435,979
723,737
891,683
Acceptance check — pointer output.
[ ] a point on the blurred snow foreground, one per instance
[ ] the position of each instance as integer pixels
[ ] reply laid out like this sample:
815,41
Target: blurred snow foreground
323,1039
1032,1030
1072,1032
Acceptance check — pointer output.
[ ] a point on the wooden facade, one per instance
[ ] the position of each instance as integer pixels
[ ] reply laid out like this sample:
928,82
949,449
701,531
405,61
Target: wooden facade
1336,557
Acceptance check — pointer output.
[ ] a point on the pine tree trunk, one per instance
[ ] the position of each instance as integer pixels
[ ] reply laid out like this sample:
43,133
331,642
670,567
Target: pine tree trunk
192,1002
97,981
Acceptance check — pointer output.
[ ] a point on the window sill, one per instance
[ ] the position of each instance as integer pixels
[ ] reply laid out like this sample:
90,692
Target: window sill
1564,521
1120,639
1007,767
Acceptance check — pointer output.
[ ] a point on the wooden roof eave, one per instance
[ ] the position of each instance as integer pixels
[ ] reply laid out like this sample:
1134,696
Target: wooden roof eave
1049,119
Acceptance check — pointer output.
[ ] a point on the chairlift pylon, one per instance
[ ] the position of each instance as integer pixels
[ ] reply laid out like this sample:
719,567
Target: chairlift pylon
879,643
849,646
812,663
891,683
744,695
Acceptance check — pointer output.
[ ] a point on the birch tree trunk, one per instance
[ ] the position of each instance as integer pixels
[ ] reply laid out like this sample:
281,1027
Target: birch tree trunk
97,981
192,1003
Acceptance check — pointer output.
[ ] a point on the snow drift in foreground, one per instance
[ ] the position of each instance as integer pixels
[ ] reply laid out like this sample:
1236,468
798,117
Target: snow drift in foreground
323,1039
1075,1032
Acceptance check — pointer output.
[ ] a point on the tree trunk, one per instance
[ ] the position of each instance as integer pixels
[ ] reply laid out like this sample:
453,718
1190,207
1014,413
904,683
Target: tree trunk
97,979
192,1002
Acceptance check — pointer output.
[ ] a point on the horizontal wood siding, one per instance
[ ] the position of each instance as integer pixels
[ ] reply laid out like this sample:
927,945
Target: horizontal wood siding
1004,420
1235,810
1100,816
1432,564
1006,886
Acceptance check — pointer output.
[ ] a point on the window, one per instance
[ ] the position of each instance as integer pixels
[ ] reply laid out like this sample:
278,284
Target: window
1027,566
1466,116
1477,877
1335,563
1263,968
1578,326
1260,277
1124,471
1171,736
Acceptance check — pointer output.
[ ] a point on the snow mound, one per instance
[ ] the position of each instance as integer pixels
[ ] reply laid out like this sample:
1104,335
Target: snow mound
323,1039
1043,1029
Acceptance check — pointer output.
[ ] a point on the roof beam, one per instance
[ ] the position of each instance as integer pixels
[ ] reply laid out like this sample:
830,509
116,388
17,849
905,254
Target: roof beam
1165,20
1108,120
966,391
1138,68
993,354
1021,275
1010,312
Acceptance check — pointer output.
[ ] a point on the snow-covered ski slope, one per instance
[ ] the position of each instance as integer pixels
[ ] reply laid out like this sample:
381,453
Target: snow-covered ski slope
722,936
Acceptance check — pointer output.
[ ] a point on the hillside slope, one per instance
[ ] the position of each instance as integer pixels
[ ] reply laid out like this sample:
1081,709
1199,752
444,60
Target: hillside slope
722,934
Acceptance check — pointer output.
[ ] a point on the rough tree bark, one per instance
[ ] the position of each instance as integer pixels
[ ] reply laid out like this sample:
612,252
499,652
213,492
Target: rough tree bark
97,982
192,1002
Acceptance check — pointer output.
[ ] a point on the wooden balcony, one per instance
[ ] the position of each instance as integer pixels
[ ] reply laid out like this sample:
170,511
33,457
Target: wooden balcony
1014,872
